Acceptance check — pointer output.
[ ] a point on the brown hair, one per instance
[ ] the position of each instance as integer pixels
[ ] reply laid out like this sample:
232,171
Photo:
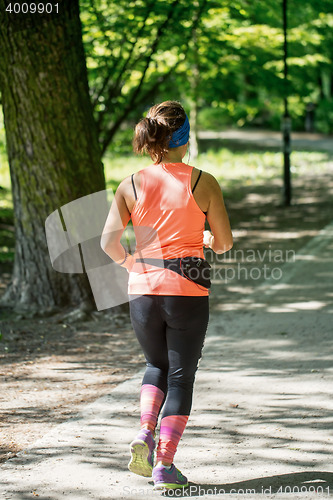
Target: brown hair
153,133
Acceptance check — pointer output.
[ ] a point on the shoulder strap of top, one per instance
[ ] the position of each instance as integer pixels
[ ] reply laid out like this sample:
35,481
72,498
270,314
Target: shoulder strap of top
195,185
134,190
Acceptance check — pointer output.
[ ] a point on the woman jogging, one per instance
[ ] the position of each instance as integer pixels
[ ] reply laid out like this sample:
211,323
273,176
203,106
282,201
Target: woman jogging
168,203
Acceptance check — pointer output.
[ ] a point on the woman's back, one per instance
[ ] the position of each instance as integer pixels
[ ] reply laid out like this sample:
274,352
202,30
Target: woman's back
166,204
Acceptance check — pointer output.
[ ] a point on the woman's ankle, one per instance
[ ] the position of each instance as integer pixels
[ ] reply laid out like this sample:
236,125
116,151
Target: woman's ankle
165,464
149,428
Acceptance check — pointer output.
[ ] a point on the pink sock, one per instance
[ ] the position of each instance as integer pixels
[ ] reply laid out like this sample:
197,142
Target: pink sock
172,428
151,399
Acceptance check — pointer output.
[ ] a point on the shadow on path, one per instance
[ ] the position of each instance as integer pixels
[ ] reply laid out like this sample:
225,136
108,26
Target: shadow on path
315,482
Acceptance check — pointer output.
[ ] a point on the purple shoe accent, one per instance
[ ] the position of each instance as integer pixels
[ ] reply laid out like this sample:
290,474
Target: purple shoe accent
165,479
142,454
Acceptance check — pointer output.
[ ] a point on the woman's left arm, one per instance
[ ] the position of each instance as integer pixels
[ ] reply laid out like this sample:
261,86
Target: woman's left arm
115,225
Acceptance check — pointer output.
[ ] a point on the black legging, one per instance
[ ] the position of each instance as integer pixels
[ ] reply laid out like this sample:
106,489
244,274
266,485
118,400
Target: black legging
171,331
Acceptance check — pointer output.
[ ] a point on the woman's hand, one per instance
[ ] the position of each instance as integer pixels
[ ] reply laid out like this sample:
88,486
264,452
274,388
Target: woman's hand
129,262
220,240
207,239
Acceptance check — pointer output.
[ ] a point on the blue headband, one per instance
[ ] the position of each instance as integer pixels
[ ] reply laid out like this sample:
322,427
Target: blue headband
181,135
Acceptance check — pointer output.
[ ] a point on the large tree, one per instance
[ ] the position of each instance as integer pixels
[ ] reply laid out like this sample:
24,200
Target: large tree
52,144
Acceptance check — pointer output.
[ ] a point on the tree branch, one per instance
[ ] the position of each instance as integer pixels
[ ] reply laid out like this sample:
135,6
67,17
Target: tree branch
150,91
107,81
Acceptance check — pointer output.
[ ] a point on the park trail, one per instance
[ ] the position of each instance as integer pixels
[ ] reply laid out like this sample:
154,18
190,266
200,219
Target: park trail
266,139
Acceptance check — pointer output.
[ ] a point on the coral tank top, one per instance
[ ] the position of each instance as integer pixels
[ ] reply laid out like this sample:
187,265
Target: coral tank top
167,224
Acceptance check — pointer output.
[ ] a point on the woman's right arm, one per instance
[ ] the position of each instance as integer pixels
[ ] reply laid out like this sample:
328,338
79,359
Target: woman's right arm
221,240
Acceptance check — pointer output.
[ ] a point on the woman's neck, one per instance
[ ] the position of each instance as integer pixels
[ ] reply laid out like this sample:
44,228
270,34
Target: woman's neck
173,157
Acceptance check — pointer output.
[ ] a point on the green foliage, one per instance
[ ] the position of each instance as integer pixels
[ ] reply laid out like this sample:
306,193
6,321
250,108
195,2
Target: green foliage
4,168
3,151
121,144
226,57
233,114
132,47
217,118
324,116
7,240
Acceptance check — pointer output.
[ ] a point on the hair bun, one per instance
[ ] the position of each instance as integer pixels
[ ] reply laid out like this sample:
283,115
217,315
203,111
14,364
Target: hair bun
154,122
153,133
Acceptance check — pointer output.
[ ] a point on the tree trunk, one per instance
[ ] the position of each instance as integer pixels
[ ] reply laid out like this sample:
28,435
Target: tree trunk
52,145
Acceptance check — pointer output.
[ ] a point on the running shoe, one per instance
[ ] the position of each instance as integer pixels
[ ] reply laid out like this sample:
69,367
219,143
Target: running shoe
171,479
142,454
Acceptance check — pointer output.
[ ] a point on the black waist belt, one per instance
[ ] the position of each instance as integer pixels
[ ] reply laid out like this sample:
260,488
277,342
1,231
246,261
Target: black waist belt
192,268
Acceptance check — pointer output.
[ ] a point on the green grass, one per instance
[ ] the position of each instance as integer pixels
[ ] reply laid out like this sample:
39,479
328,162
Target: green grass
230,167
258,167
117,168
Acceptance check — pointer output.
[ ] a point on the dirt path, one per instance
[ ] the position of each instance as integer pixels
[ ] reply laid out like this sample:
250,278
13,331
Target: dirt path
49,366
267,139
